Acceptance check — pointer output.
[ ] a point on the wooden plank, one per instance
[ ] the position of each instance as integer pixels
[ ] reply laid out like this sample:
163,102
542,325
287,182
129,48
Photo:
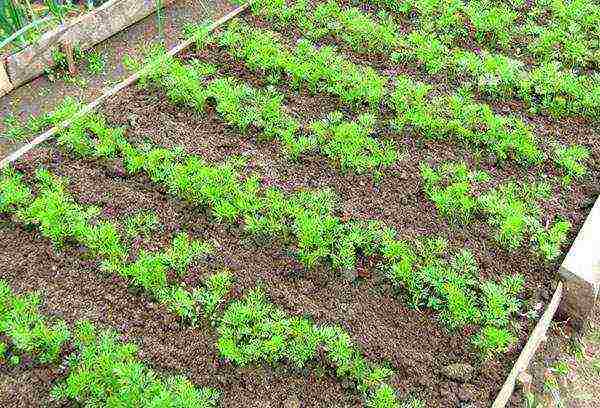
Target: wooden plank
112,91
85,31
537,336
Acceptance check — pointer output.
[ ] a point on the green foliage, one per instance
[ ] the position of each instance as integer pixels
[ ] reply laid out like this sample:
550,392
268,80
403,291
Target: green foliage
500,301
212,295
550,240
252,330
148,271
350,143
321,69
95,62
183,252
564,31
425,49
108,373
88,135
350,363
464,119
14,194
571,160
104,240
493,23
449,187
384,396
493,340
512,209
354,27
3,350
57,215
29,331
142,223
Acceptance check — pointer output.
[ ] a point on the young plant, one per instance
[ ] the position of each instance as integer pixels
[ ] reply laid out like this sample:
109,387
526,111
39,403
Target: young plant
142,223
107,372
212,295
571,160
449,187
29,331
273,336
14,194
183,252
493,340
58,216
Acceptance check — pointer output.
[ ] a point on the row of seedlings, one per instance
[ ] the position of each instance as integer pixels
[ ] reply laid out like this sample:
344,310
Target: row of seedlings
277,337
102,370
548,87
306,220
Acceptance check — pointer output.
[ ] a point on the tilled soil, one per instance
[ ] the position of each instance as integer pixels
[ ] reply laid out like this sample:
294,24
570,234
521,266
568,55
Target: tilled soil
412,341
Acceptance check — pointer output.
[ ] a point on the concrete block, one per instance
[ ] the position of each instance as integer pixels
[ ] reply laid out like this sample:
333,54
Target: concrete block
580,272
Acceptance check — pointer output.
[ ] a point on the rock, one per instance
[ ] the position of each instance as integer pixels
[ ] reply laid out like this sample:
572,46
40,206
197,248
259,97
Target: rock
292,402
461,372
467,393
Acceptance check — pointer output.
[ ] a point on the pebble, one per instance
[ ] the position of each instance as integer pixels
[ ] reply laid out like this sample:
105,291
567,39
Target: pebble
461,372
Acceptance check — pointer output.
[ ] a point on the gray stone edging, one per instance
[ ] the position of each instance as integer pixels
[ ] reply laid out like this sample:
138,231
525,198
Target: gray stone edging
580,271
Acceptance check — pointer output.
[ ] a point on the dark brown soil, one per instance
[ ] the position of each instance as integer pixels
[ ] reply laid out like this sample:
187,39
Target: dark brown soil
413,342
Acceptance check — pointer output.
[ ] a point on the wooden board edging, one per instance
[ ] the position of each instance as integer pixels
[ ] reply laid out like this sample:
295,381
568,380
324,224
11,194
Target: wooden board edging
535,339
5,85
110,92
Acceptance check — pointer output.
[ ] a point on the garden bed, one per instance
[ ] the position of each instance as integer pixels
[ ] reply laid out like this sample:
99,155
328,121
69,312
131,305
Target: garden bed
414,302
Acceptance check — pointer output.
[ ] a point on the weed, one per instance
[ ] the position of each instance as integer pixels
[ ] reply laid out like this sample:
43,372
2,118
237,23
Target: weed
142,223
95,62
560,368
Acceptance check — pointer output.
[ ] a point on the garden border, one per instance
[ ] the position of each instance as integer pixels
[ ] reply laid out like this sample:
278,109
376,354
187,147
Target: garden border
85,31
535,338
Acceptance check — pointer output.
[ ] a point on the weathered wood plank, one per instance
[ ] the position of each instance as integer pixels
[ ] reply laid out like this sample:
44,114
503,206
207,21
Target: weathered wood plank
537,336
